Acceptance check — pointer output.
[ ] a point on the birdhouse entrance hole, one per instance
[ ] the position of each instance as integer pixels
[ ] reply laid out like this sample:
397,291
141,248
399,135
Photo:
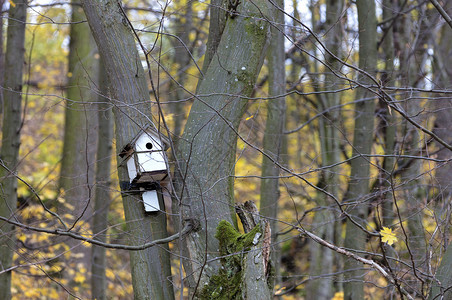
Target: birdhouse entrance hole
145,157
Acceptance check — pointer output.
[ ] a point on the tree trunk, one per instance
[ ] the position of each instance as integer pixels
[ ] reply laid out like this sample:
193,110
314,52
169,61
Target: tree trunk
79,143
443,175
388,120
412,68
151,272
218,18
358,191
102,190
2,55
183,26
274,128
206,152
443,278
12,124
329,125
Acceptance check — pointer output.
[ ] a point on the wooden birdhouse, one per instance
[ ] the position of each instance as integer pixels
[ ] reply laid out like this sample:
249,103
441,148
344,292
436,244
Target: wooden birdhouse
145,157
151,201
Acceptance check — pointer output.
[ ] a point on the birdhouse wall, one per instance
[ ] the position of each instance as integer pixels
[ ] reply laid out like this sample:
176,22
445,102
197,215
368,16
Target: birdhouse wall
147,163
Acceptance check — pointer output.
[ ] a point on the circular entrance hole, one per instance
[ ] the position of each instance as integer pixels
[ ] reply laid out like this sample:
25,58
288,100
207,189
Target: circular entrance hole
149,146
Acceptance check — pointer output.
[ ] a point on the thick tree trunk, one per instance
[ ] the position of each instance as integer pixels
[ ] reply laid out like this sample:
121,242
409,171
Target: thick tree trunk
441,286
274,128
206,153
151,273
355,238
12,124
79,144
76,175
443,175
102,190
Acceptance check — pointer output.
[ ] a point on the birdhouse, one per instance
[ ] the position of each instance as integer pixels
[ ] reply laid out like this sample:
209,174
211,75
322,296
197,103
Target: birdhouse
151,201
145,157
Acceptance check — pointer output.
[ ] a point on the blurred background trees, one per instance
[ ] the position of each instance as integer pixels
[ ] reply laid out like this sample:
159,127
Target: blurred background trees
332,116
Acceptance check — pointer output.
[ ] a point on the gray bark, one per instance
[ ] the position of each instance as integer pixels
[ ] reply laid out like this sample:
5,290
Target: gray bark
218,18
79,143
355,238
388,120
274,128
329,126
12,123
102,190
412,68
183,26
206,153
441,285
76,175
2,54
151,271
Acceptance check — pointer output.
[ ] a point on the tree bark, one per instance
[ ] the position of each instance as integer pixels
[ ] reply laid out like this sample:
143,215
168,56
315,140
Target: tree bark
329,127
355,238
441,286
218,18
80,138
183,26
443,123
2,55
102,190
151,272
274,128
412,67
389,120
206,152
12,124
76,175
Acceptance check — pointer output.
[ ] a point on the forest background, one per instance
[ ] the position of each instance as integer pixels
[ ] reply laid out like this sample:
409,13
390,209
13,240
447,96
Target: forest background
333,117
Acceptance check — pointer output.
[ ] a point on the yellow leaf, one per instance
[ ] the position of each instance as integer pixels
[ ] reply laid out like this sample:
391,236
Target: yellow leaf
11,2
42,237
22,237
338,296
280,291
250,117
79,278
69,206
110,274
387,236
53,294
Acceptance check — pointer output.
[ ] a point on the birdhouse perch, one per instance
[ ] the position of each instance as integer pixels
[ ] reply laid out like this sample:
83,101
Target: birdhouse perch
145,157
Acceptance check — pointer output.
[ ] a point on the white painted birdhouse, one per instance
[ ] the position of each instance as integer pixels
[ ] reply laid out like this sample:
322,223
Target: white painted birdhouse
146,158
151,201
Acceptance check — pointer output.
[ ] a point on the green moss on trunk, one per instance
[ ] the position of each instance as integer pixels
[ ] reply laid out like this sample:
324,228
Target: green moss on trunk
227,284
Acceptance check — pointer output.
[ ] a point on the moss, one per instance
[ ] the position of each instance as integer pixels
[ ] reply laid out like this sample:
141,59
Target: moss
248,78
227,284
257,28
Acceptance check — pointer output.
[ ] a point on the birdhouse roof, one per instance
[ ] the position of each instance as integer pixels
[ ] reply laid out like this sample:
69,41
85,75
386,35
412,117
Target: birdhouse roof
149,130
